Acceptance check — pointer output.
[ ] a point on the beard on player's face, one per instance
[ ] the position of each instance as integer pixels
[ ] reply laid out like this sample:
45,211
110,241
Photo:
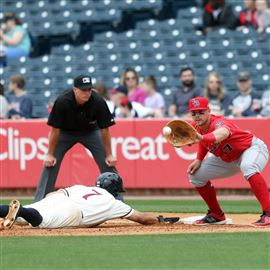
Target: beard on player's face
201,120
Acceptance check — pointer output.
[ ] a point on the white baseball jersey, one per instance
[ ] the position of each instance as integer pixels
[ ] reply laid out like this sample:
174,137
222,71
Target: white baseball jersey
80,206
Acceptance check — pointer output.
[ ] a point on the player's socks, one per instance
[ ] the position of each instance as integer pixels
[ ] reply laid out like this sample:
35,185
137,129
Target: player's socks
208,193
31,215
260,190
4,210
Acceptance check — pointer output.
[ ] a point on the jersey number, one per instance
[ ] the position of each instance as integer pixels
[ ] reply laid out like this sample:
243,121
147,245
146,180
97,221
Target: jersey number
91,194
227,149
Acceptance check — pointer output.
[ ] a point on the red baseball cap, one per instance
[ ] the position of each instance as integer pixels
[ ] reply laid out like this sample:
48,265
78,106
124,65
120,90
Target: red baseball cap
198,103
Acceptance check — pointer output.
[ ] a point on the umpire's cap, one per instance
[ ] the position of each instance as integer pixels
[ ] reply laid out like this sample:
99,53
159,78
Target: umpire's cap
112,182
83,82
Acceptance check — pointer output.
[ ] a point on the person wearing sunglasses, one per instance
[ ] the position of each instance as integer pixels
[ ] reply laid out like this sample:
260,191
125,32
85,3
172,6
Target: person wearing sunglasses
130,79
234,151
82,116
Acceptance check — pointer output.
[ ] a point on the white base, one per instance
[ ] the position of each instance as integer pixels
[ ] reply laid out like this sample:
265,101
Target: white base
190,220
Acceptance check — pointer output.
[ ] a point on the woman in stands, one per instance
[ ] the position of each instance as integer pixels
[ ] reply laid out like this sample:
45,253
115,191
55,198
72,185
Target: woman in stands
262,15
247,16
15,40
214,90
130,79
154,100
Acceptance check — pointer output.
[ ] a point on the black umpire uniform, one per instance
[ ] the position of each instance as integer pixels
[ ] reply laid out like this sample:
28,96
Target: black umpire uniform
77,117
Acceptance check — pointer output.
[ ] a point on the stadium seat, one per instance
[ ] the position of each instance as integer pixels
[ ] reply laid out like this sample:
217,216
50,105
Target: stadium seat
157,45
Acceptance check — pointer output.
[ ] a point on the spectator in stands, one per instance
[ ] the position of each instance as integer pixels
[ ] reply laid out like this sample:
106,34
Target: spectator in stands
124,108
102,89
218,13
262,15
154,100
15,40
214,90
117,94
265,104
130,79
247,16
188,90
247,101
20,103
4,107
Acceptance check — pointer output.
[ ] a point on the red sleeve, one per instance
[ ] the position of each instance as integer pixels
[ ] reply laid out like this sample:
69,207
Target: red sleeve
208,8
201,152
242,18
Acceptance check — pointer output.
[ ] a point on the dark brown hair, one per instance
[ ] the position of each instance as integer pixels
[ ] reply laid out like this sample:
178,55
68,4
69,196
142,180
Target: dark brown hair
11,16
1,89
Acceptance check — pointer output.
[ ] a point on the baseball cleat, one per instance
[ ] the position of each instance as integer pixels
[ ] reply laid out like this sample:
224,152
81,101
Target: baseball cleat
210,220
1,224
263,222
9,220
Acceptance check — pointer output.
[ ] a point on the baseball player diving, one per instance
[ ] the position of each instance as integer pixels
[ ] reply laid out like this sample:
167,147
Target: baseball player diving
79,206
233,151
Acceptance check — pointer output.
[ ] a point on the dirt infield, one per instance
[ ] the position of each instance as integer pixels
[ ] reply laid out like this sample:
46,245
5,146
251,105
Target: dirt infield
241,223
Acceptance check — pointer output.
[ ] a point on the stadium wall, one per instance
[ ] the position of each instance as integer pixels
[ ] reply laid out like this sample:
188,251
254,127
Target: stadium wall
145,160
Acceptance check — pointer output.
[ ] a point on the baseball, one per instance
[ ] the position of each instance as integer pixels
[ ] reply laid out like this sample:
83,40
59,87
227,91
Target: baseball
167,130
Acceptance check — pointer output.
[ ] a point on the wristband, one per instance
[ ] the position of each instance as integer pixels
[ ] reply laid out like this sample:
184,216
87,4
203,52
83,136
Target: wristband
210,138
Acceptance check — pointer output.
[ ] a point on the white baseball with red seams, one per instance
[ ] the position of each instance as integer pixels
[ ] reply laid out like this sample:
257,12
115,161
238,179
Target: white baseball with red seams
167,131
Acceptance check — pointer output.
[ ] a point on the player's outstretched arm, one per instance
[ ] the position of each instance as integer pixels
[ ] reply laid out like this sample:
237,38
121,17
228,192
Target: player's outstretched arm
143,218
218,135
150,219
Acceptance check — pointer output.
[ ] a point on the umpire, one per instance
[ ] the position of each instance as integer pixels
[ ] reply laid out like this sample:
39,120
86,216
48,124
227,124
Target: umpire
81,116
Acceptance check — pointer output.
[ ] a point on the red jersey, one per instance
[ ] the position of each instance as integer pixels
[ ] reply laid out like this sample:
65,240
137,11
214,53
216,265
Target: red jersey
230,148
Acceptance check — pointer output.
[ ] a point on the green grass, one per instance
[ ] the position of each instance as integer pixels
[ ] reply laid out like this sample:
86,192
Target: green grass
190,251
185,206
194,206
211,251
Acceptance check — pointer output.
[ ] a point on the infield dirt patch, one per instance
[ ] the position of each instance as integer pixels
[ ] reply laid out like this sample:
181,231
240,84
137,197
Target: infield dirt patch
241,223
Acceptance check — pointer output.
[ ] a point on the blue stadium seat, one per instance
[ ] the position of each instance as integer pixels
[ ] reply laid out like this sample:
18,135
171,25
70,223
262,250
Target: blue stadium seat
106,36
138,5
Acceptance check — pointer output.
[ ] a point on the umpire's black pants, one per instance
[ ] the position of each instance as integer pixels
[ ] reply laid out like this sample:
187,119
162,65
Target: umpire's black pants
92,141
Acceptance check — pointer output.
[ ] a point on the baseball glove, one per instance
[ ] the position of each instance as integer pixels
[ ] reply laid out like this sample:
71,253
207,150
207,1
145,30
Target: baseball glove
168,220
182,133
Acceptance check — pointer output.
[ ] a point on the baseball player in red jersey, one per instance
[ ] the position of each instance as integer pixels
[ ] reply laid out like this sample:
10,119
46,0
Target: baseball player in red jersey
233,151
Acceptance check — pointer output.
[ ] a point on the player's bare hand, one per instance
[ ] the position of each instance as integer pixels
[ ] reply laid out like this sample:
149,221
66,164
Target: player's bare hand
111,161
49,160
194,166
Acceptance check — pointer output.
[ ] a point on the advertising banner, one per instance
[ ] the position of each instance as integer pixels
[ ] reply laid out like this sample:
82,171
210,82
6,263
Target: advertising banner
145,160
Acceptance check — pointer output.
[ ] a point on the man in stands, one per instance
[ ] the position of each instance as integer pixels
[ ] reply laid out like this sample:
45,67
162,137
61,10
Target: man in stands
188,90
